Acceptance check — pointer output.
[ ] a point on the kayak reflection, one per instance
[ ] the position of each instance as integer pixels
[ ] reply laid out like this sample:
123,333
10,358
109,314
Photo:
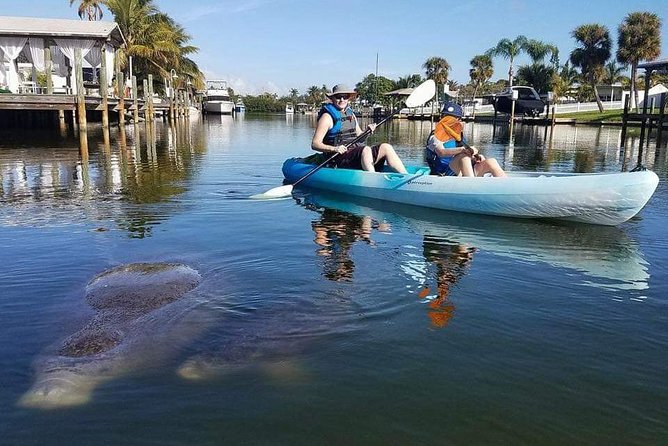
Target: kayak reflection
606,257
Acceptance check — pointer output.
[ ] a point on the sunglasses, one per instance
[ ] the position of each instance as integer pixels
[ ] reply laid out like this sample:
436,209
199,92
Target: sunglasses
339,97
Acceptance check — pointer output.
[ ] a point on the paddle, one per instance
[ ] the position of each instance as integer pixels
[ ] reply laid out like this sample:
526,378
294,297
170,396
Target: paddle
422,93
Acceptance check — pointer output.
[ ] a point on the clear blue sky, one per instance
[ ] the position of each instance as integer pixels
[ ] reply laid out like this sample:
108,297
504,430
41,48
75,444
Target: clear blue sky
275,45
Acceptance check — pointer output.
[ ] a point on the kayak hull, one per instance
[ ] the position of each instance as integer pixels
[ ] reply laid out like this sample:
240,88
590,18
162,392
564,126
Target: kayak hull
602,198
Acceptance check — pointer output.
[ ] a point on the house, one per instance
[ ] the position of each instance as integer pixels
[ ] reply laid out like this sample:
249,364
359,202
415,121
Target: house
50,46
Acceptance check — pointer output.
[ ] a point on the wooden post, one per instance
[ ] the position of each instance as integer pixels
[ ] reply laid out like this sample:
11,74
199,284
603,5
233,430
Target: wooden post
659,125
135,99
48,65
120,82
643,125
151,107
146,101
103,89
625,117
81,103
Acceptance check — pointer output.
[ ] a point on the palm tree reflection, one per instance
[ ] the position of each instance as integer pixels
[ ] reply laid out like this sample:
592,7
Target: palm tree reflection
451,261
335,233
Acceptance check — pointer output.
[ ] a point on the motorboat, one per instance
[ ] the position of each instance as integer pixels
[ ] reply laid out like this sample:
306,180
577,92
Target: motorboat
217,98
527,101
239,106
289,109
595,198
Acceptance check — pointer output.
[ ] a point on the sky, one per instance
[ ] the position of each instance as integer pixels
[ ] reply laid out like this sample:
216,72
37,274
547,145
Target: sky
277,45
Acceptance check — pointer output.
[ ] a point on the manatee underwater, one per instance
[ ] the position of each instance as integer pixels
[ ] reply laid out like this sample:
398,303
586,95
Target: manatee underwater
140,317
272,341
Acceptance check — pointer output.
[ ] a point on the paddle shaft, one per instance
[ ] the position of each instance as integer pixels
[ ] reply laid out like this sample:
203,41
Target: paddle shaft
359,138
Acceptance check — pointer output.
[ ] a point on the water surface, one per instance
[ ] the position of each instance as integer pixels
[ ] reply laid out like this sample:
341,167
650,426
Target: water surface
328,319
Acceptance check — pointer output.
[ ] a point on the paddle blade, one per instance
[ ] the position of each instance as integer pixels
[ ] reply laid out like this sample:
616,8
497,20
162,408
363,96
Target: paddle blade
422,93
272,194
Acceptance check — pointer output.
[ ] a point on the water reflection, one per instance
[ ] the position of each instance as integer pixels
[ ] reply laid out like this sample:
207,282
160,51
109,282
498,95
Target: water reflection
606,257
106,184
335,234
451,262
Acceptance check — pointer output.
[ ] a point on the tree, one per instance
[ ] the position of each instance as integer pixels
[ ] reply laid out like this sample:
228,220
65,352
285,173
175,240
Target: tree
409,81
481,71
614,73
372,89
508,49
639,38
156,43
591,54
437,69
538,74
89,8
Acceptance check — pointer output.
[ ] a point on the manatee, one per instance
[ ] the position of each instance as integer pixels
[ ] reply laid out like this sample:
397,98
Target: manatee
270,341
139,317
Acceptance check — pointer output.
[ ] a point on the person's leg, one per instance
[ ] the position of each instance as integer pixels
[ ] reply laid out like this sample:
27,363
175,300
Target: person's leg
367,159
386,151
490,165
461,165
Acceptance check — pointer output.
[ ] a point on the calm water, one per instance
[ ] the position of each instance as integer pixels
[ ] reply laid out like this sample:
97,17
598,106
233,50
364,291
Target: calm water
330,320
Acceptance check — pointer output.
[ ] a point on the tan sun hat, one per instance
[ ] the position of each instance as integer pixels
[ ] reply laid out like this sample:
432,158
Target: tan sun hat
342,89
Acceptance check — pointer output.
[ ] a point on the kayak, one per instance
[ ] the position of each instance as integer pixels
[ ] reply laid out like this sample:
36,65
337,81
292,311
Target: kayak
595,198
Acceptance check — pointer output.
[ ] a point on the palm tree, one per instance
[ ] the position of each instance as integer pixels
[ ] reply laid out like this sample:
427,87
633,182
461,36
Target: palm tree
438,69
508,49
614,73
409,81
591,54
538,74
155,41
481,71
639,39
89,8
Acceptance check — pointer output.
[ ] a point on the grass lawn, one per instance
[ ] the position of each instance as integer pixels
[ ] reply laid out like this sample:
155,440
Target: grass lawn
593,116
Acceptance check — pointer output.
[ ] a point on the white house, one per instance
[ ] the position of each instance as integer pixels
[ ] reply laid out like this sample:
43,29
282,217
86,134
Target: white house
32,37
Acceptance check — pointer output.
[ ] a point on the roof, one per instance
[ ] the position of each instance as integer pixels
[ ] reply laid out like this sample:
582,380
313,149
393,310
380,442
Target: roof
61,28
657,65
400,92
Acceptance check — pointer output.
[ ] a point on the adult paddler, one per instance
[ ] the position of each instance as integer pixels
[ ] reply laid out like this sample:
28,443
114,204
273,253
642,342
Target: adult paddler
337,126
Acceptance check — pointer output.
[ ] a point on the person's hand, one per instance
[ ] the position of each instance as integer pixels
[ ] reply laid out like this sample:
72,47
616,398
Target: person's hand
472,151
341,149
372,127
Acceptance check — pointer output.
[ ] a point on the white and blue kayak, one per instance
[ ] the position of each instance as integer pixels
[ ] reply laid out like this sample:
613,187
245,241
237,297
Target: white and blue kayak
596,198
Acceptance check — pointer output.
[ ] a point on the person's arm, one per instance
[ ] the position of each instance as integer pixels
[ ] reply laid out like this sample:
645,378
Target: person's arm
324,124
443,152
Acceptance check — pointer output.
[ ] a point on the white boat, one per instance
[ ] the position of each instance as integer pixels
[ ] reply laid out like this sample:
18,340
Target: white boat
217,98
289,109
596,198
239,106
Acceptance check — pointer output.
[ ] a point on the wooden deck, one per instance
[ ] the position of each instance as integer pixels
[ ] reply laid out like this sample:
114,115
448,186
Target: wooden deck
68,102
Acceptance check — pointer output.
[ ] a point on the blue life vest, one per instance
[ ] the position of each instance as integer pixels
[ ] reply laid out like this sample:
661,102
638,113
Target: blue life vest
344,129
438,165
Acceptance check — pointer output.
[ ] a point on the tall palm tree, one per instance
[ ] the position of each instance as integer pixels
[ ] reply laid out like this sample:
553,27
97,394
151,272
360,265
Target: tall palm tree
639,39
591,54
508,49
155,41
437,69
89,8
